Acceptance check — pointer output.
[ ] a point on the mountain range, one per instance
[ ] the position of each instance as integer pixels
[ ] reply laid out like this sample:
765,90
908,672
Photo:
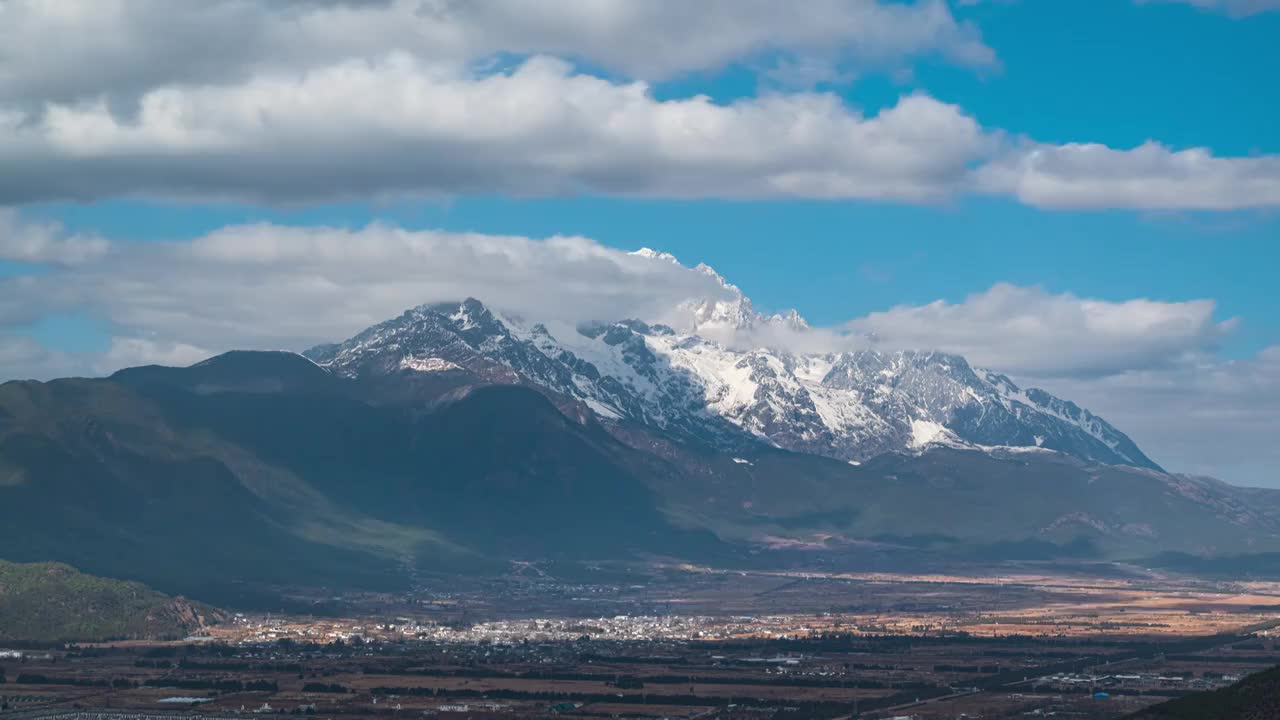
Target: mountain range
456,438
851,405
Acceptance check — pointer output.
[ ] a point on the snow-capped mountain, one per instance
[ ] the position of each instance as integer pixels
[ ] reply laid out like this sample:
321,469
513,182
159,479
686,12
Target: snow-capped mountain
850,405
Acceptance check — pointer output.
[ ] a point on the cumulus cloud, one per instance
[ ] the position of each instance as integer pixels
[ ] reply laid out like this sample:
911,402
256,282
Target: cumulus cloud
48,242
269,286
275,286
306,102
1030,332
126,47
1150,176
399,127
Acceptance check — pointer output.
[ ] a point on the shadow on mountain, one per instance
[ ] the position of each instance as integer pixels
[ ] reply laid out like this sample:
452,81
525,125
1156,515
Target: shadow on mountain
263,469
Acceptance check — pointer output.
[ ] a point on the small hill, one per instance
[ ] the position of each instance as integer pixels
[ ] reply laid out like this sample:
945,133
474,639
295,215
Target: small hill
52,602
1257,697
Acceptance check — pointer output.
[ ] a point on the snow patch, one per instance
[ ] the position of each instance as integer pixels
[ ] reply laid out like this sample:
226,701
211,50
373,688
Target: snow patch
600,408
924,432
431,364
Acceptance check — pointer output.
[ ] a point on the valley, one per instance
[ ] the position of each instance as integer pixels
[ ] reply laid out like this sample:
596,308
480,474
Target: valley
691,642
454,512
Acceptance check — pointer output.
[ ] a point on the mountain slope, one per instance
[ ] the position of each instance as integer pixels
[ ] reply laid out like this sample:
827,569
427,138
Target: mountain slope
51,602
280,473
265,469
849,405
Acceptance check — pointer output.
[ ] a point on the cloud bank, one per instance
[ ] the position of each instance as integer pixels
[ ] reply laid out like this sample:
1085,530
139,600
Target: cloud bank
1029,332
308,102
278,286
123,48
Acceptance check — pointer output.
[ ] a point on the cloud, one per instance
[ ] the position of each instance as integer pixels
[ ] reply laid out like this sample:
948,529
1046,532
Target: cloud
23,358
1150,176
32,242
133,351
1029,332
75,49
398,127
309,102
267,286
275,286
1202,416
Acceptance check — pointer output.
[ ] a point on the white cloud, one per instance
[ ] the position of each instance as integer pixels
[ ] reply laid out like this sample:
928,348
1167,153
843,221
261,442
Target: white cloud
1150,176
269,286
273,286
398,127
48,242
72,49
1029,332
306,102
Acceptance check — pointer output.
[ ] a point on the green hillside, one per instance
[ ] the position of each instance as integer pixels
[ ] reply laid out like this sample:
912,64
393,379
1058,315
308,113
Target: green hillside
52,602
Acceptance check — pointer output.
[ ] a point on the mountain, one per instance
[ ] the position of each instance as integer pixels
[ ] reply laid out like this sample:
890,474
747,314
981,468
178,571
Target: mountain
851,405
262,468
457,438
256,469
52,602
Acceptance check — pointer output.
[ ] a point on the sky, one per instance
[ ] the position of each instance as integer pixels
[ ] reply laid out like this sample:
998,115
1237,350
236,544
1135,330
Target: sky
1082,195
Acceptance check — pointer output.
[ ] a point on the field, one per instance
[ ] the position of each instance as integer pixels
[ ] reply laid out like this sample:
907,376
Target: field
696,642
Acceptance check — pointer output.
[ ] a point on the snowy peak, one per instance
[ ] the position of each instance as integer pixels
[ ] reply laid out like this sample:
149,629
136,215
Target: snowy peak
730,312
851,405
734,313
978,407
790,320
651,254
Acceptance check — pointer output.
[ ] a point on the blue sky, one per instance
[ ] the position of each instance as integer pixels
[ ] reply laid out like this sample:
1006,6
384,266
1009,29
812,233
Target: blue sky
901,167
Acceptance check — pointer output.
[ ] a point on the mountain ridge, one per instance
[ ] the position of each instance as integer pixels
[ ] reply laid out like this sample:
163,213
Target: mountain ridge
849,405
275,471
